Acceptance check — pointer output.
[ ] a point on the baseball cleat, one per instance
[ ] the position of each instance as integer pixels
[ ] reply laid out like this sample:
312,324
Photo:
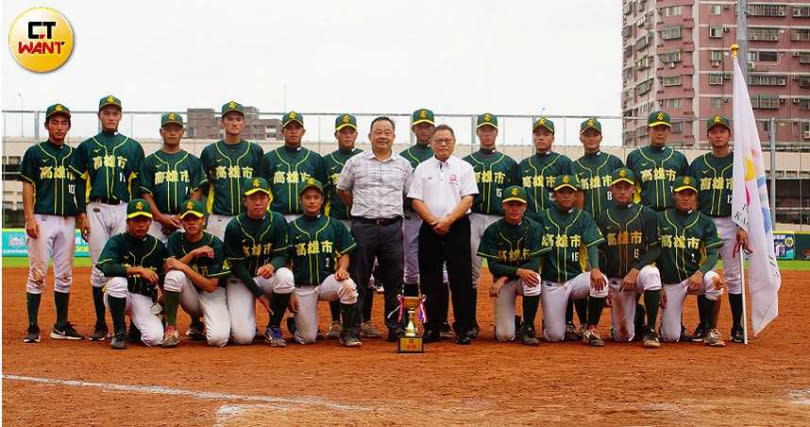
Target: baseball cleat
67,332
592,338
445,332
32,336
571,333
100,332
274,337
699,335
714,339
472,333
368,330
526,336
119,341
349,339
196,331
685,337
651,339
737,334
334,331
171,338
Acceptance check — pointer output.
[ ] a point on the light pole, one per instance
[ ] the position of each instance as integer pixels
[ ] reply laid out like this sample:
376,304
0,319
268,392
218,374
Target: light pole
21,114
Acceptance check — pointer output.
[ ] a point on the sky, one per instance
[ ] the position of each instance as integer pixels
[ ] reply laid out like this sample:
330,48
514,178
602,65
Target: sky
457,57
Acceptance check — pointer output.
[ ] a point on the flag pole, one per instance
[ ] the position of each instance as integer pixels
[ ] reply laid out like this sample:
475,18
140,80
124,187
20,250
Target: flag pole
734,51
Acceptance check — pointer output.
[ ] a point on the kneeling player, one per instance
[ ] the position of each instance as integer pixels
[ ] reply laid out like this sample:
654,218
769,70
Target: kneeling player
256,248
628,255
569,232
133,263
193,271
510,250
689,245
319,250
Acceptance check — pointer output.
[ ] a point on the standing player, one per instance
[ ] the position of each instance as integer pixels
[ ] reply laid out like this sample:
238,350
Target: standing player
713,172
256,248
628,254
511,248
109,164
538,173
574,240
50,207
288,167
170,176
228,164
689,244
133,262
494,171
319,251
195,273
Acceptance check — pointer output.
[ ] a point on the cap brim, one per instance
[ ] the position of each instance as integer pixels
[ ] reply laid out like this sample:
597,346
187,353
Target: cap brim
343,125
292,120
58,113
486,124
307,187
654,124
423,121
171,122
514,199
684,187
195,213
256,190
543,126
625,179
590,127
561,186
103,106
224,113
718,124
137,214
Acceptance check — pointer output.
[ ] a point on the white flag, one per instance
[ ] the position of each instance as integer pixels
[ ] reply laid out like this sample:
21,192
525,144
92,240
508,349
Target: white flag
750,209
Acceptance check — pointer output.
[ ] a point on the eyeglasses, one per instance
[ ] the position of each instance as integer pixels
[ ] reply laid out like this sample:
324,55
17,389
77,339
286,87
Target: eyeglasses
443,141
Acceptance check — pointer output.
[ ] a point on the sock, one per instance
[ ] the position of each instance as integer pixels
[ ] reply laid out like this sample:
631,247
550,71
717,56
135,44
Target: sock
474,307
368,304
444,301
712,312
638,319
594,306
278,303
347,311
98,302
117,308
32,303
195,321
569,311
736,303
581,305
334,309
61,301
651,301
172,302
701,303
530,305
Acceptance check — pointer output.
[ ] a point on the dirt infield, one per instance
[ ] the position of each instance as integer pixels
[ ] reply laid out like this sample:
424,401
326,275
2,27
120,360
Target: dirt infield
497,383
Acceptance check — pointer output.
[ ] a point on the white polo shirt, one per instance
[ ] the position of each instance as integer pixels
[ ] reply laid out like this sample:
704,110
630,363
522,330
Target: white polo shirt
441,185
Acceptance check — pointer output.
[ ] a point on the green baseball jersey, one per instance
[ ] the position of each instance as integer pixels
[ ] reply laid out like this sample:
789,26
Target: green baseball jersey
286,169
493,172
715,177
684,239
538,175
417,154
171,178
109,163
594,173
569,235
655,169
334,161
316,243
257,242
629,231
47,167
507,247
124,250
217,267
226,167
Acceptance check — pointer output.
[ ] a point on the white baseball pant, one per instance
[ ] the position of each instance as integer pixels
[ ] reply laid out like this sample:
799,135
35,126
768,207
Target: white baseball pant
478,223
623,312
306,320
57,239
212,306
555,300
156,230
242,303
216,225
105,221
731,264
675,295
505,306
139,308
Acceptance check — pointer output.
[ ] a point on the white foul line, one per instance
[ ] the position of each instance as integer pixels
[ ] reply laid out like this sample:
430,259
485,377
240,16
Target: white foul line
203,395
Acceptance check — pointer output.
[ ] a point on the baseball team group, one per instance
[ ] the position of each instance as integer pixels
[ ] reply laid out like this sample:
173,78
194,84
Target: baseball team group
288,228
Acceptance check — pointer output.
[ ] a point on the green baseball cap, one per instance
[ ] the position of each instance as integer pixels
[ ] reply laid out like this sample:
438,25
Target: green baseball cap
658,118
57,109
590,123
514,193
109,100
718,121
569,181
138,207
543,122
292,116
486,119
684,183
623,175
256,185
232,106
345,120
167,118
422,115
192,207
310,183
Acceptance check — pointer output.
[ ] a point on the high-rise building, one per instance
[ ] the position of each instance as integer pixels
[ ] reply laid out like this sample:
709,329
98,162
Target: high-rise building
675,57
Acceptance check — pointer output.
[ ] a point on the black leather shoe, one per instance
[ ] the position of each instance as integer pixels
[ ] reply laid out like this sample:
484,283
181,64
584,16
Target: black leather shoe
463,339
395,334
431,336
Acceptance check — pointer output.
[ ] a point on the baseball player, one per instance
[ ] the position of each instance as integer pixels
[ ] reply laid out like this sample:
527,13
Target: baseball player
133,263
50,207
170,176
256,248
228,164
628,254
109,164
511,248
689,244
713,172
319,251
574,239
538,173
287,167
422,125
195,273
494,171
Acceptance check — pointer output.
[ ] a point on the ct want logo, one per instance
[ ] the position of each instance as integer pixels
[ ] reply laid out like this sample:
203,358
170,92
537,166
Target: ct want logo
41,39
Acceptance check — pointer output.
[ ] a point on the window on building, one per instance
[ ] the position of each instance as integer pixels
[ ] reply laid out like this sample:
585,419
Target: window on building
800,34
763,34
671,11
804,57
765,102
768,56
671,104
716,79
716,102
804,81
767,80
671,33
716,55
804,104
715,9
764,9
716,32
801,11
677,127
672,56
643,41
671,81
644,87
643,63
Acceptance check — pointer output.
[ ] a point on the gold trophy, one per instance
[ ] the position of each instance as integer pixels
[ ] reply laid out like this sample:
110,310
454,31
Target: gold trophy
412,341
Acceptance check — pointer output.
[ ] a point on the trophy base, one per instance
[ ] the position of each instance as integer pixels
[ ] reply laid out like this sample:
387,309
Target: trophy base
410,345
